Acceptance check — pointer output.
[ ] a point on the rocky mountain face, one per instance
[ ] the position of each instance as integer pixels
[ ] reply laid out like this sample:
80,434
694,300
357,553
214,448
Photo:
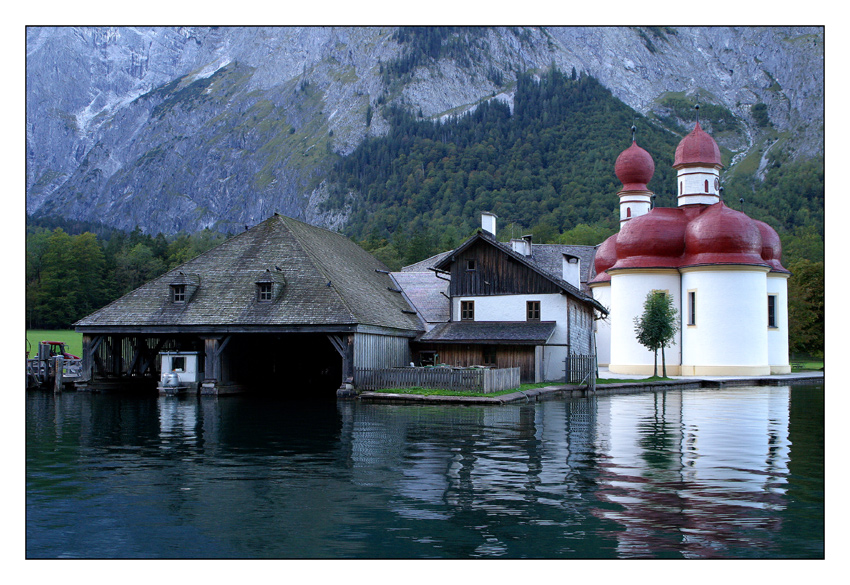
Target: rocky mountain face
176,129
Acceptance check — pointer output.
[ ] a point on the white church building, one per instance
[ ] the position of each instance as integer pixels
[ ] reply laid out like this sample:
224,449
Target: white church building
721,267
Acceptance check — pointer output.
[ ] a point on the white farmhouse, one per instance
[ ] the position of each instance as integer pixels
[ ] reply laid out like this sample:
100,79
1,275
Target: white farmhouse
504,305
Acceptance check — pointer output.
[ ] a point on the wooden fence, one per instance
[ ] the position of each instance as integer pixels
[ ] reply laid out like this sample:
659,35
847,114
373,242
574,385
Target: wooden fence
456,379
581,369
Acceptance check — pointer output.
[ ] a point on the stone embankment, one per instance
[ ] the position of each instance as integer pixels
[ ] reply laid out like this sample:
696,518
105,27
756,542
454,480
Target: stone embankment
555,391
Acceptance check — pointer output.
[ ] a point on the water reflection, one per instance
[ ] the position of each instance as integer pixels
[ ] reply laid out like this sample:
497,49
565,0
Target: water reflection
692,473
698,473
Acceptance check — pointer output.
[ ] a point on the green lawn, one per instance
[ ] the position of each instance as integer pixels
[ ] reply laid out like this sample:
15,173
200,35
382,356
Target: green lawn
803,366
523,388
73,341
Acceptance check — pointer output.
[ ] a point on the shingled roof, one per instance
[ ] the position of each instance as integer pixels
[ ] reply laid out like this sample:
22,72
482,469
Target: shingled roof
427,293
519,333
321,278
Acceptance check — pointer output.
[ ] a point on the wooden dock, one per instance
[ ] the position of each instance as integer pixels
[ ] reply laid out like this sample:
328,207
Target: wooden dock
53,373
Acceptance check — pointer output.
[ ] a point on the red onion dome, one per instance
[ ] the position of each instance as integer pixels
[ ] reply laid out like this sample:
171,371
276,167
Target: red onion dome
721,235
653,240
606,257
697,148
634,168
771,246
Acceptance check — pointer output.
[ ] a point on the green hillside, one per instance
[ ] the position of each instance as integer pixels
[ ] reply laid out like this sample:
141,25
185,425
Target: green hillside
546,168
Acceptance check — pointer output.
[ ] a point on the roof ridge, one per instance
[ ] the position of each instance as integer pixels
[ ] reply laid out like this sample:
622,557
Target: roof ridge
316,261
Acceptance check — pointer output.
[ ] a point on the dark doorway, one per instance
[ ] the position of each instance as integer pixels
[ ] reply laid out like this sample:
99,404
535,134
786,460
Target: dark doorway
295,365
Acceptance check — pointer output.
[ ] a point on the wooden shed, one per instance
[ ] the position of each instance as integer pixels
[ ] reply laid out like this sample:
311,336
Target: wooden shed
281,306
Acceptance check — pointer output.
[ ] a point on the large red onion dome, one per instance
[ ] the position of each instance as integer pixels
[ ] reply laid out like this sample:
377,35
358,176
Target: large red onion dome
697,148
721,235
771,246
606,257
653,240
634,168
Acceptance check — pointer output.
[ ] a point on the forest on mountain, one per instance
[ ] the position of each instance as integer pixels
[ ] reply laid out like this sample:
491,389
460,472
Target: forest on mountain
545,168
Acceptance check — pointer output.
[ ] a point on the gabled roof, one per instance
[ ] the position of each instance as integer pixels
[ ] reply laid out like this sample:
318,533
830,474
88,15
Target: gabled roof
481,236
427,293
326,280
549,258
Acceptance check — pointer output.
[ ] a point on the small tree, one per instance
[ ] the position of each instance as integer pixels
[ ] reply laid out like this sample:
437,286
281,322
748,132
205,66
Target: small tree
657,326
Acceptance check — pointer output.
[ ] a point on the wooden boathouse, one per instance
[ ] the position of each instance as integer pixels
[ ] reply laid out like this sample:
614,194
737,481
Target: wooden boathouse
278,307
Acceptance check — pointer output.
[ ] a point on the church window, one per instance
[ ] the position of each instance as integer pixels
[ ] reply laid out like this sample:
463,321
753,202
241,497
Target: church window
706,185
628,211
771,311
692,307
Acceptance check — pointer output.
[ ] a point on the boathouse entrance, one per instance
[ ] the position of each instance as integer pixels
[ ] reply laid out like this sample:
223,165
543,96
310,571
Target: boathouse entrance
280,363
283,364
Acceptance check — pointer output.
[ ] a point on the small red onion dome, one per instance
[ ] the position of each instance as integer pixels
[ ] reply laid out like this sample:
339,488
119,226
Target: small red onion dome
721,235
697,148
606,257
653,240
771,247
634,168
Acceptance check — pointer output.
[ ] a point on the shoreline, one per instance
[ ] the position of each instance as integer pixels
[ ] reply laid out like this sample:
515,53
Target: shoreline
564,390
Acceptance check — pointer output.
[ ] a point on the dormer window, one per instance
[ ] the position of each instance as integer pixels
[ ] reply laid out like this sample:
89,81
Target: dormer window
178,293
269,285
265,292
182,287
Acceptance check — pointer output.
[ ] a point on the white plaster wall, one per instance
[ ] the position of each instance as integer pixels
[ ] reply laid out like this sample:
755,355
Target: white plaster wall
693,180
731,318
628,294
553,307
638,204
777,339
554,363
602,293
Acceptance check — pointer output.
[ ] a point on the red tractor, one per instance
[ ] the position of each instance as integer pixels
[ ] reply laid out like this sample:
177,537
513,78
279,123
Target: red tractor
49,349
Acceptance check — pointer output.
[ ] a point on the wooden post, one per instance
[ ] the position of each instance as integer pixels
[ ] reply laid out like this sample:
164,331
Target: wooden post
345,348
212,360
58,366
213,349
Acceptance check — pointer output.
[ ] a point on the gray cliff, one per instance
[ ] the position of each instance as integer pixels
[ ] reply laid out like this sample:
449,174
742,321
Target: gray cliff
176,129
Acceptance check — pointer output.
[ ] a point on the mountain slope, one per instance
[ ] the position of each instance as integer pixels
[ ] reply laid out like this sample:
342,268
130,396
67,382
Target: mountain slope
183,128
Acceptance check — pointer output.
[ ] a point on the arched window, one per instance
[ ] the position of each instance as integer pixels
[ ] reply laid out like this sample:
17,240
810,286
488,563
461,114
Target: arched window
628,211
680,187
706,185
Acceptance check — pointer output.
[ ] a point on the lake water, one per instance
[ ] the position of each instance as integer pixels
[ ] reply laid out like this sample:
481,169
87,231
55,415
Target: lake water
714,473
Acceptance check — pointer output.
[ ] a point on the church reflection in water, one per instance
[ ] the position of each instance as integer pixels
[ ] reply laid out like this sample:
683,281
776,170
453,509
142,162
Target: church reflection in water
693,473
